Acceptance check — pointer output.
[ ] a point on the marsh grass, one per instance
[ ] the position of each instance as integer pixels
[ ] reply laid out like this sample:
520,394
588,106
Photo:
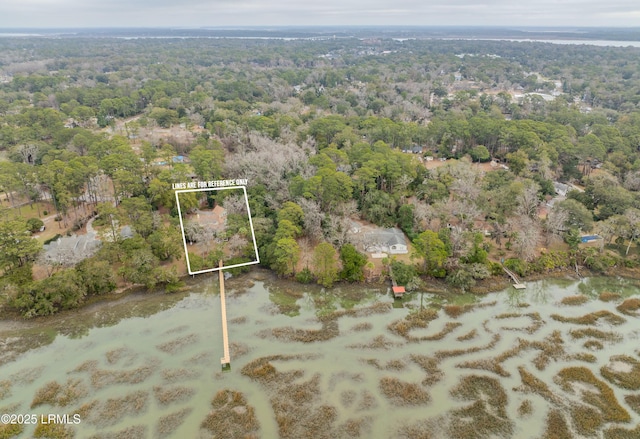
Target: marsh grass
367,401
175,346
101,378
468,336
380,342
348,397
116,355
486,416
449,327
26,376
238,320
296,403
168,424
622,433
262,370
551,348
59,395
175,375
135,432
328,331
361,327
395,365
591,318
431,366
238,349
86,410
337,378
169,395
629,380
360,427
532,384
608,296
534,316
416,319
586,420
440,355
114,410
366,311
630,307
634,402
557,427
593,345
5,389
419,430
583,356
401,393
53,431
455,311
87,366
574,300
595,333
176,330
8,431
604,399
202,359
525,408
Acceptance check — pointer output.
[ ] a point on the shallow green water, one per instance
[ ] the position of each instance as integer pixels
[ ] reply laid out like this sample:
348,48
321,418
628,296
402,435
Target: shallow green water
151,346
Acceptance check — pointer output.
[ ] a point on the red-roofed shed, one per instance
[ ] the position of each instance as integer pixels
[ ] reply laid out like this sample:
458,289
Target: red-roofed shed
397,291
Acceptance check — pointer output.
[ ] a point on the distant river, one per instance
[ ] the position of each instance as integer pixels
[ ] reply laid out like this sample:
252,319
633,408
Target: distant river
601,43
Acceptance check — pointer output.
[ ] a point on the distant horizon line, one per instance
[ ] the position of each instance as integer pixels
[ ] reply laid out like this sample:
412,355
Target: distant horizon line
565,28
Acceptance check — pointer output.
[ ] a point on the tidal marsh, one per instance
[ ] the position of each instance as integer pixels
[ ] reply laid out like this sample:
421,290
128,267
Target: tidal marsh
422,369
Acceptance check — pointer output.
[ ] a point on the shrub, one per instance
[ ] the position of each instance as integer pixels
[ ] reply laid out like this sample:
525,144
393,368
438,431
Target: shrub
305,276
518,266
34,224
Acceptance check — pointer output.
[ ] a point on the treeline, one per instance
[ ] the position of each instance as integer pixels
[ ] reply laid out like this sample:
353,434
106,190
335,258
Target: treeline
325,132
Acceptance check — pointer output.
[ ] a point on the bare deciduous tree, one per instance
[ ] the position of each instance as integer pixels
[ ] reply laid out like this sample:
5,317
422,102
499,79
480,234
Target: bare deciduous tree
527,236
235,205
528,200
555,223
313,217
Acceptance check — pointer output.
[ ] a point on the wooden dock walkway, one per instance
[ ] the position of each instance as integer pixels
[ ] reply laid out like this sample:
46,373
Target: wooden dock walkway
225,360
516,282
398,291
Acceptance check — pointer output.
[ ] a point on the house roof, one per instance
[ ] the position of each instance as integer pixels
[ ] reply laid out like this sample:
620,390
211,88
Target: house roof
389,237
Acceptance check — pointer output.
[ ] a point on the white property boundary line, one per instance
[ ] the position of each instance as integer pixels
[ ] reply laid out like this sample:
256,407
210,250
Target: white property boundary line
184,239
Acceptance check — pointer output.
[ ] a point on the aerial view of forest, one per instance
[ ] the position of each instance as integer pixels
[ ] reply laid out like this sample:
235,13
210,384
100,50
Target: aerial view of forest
448,163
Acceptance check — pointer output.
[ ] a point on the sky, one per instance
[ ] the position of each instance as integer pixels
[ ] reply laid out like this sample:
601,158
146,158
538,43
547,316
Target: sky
199,13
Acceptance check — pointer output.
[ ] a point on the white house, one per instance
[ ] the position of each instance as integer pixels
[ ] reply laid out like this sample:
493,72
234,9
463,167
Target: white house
390,240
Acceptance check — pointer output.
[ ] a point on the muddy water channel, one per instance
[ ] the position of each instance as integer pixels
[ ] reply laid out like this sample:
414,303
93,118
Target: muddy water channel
560,359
